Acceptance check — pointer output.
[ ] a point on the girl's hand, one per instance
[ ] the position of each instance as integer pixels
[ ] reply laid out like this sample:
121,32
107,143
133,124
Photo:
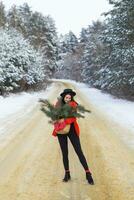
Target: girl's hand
61,120
58,121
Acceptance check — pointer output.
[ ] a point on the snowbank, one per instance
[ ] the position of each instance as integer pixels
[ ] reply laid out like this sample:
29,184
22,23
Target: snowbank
17,102
16,107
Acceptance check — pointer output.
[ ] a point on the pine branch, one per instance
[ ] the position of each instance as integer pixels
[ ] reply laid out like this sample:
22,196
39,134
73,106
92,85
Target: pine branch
65,111
82,109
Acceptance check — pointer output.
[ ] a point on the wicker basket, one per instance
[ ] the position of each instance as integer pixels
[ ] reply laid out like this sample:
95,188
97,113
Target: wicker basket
64,130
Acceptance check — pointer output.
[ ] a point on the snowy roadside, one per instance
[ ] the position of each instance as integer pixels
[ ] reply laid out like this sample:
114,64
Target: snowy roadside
17,106
121,111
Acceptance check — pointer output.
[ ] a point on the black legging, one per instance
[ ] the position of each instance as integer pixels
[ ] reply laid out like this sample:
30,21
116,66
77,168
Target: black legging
63,141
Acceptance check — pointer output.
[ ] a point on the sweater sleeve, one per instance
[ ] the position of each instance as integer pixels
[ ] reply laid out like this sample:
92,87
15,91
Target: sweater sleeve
73,104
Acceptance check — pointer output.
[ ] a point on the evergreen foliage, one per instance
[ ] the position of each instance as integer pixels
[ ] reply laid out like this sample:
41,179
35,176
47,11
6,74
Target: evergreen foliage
108,53
104,55
2,15
20,64
28,48
64,111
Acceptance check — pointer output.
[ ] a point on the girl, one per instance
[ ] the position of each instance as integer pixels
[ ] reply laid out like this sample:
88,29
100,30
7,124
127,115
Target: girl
73,134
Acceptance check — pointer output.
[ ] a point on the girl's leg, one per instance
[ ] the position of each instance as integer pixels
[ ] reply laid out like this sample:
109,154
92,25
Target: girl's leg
77,147
64,149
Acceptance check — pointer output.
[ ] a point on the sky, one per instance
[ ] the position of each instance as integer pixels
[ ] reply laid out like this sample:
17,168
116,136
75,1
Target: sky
69,15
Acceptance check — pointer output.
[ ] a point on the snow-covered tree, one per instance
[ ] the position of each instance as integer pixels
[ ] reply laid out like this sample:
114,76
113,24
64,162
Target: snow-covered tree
84,35
2,15
108,56
67,57
39,30
121,22
19,18
50,48
20,64
93,49
13,18
72,41
119,38
68,43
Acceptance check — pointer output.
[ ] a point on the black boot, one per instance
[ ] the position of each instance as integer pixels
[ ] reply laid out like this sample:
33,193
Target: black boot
67,176
89,178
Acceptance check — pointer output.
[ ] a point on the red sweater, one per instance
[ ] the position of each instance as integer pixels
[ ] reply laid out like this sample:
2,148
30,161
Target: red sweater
69,121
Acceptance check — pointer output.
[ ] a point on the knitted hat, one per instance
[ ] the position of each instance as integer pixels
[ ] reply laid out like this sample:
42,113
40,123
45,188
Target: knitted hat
68,91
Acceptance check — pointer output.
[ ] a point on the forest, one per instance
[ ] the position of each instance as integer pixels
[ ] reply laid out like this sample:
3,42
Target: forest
31,51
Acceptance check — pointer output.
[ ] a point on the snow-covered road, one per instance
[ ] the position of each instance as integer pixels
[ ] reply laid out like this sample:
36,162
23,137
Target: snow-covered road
31,163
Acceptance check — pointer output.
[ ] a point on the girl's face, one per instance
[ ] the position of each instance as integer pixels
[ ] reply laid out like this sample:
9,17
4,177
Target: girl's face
67,98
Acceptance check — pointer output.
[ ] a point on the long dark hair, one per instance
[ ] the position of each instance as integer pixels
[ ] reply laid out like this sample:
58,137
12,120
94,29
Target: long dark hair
63,102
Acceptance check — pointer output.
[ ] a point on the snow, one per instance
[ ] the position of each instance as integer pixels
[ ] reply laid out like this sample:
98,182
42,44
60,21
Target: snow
15,108
120,110
17,102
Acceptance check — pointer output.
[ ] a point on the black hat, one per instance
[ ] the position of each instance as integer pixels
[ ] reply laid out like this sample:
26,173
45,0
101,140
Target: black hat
68,91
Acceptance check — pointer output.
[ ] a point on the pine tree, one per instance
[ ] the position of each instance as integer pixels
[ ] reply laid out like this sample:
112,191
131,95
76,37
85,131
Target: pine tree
68,57
42,34
84,35
72,41
39,30
19,18
119,37
2,15
68,43
50,50
13,18
20,64
93,49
